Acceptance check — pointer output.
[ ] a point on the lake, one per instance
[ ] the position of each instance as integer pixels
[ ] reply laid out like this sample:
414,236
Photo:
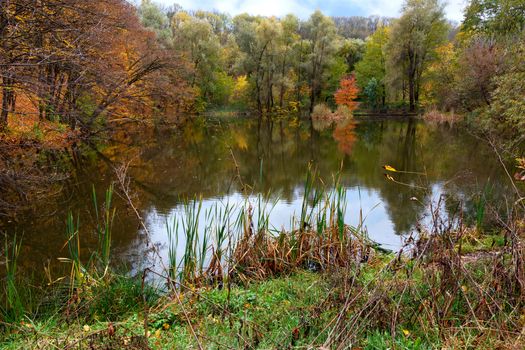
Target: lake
200,159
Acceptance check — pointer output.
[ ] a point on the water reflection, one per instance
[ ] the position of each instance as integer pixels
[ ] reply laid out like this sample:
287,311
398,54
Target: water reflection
200,158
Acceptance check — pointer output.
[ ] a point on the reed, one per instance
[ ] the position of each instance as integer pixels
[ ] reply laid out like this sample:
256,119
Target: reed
173,242
14,309
76,275
104,226
230,241
190,229
222,226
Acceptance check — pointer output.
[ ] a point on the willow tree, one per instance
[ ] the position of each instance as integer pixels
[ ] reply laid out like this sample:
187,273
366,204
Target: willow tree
421,29
258,41
324,42
155,19
195,38
287,56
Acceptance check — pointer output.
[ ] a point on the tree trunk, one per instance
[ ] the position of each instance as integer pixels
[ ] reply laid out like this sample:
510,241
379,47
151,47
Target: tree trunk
313,86
411,94
3,112
383,96
8,101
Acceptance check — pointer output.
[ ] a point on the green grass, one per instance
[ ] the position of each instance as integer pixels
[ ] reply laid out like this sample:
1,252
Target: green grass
290,311
287,312
265,313
485,243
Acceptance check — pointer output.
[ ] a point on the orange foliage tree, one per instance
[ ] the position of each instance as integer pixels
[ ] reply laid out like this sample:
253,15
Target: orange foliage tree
347,93
83,63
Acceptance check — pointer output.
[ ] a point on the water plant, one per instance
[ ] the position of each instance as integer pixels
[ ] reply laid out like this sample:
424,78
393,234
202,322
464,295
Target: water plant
76,275
14,309
104,226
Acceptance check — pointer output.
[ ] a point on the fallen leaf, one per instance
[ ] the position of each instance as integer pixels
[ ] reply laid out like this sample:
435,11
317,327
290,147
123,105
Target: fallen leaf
389,168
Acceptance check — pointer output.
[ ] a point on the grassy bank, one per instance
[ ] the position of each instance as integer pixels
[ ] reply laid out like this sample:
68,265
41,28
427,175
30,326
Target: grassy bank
382,303
291,311
241,285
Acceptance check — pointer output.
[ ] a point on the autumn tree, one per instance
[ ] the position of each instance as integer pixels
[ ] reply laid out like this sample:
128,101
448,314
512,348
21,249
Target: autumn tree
347,93
442,79
79,64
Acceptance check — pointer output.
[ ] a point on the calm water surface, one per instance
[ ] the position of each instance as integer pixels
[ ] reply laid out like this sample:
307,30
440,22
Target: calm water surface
170,166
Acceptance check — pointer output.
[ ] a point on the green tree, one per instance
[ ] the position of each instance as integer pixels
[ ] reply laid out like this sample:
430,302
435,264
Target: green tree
154,18
287,56
194,38
413,40
501,17
371,70
324,43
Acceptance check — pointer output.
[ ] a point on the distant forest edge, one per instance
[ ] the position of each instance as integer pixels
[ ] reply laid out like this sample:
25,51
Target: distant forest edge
73,69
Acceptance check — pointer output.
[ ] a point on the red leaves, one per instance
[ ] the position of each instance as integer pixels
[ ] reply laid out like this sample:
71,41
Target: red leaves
347,93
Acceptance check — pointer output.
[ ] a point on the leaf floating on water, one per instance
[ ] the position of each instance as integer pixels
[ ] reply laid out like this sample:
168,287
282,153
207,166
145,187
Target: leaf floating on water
389,168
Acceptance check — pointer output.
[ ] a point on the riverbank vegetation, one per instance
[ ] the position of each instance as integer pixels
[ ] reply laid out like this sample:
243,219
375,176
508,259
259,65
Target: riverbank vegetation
74,73
239,284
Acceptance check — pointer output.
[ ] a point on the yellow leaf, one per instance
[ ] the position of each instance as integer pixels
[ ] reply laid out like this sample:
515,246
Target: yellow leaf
86,328
166,326
406,332
389,168
464,289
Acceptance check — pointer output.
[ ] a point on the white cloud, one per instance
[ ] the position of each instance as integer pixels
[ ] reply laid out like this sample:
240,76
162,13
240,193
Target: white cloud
454,10
389,8
255,7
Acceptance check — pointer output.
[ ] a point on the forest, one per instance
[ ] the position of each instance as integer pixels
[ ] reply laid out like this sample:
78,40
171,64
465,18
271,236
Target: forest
84,66
194,179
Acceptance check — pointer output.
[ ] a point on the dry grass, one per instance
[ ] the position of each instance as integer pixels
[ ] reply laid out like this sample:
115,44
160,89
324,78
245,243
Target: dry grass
323,112
435,116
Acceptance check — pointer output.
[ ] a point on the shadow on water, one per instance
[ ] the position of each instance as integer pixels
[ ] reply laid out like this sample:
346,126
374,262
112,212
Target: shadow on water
168,166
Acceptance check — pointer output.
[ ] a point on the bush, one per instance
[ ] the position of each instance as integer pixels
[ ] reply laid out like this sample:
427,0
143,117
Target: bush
323,112
506,114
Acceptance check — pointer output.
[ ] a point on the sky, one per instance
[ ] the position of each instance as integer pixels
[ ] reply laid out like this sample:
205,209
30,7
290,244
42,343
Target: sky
303,8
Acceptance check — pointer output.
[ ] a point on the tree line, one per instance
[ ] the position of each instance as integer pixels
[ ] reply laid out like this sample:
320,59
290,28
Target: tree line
267,62
86,64
475,68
